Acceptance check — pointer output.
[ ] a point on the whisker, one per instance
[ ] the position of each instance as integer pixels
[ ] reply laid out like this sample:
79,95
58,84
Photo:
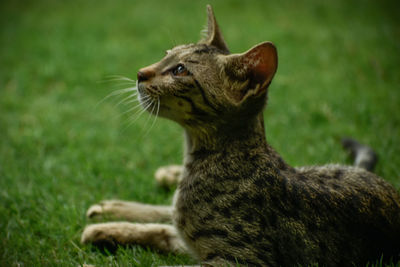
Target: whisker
155,116
138,115
117,92
148,118
134,94
121,85
136,99
118,82
127,111
146,100
130,101
118,78
146,103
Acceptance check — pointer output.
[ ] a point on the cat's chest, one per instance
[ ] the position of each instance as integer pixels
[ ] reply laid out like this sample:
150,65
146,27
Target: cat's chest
219,186
206,184
223,205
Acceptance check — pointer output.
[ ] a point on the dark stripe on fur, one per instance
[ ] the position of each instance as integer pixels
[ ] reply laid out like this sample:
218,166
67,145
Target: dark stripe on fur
209,232
205,99
207,49
195,109
211,256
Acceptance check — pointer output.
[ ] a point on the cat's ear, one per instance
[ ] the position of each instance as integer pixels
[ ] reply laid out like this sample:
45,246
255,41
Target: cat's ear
213,35
251,71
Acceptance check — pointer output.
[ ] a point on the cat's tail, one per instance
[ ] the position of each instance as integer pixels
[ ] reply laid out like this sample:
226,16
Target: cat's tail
363,156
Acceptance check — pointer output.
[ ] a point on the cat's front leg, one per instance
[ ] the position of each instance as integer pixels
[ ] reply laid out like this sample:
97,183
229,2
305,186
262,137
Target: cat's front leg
162,237
130,211
168,176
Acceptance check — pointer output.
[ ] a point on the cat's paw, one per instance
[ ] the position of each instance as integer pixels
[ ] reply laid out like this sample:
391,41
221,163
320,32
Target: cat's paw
129,211
103,234
103,209
94,211
168,176
112,234
161,237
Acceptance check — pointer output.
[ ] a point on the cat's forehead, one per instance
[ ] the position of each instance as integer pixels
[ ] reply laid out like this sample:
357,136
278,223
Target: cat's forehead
183,51
181,48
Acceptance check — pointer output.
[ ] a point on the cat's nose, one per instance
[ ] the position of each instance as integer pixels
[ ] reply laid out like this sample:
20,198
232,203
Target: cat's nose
145,74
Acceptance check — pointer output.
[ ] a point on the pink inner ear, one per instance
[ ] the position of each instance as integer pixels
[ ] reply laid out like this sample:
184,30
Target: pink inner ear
253,70
261,72
262,62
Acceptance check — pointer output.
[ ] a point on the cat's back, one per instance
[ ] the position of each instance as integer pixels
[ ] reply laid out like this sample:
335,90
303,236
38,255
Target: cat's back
340,185
352,214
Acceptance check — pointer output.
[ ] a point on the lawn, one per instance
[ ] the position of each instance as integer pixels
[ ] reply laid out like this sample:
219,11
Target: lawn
61,150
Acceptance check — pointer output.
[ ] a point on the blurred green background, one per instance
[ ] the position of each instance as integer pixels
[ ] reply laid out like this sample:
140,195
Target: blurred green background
338,75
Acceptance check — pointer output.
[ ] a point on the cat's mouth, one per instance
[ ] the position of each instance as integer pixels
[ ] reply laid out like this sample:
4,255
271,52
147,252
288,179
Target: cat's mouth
142,92
149,101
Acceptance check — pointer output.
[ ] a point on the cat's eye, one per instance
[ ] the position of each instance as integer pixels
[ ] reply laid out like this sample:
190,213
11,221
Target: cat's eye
180,70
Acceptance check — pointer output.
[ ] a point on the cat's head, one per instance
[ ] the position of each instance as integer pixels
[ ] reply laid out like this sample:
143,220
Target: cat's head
203,84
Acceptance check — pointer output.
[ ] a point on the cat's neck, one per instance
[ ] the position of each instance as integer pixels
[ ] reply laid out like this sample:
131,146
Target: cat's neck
238,138
216,138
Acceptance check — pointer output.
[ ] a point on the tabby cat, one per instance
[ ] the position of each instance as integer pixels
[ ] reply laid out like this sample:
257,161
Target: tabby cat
237,200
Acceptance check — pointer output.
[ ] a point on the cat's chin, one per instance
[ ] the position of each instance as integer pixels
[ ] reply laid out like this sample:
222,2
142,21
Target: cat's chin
149,104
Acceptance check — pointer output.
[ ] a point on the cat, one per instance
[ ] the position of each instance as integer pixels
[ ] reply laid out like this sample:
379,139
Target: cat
237,200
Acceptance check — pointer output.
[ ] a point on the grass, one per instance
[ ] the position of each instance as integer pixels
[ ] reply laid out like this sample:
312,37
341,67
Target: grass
59,152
